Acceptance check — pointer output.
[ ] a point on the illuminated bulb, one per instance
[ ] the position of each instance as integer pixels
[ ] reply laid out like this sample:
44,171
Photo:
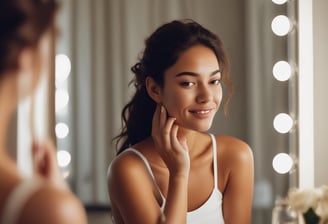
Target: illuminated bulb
62,67
61,99
282,163
281,25
61,130
63,158
282,123
279,2
282,71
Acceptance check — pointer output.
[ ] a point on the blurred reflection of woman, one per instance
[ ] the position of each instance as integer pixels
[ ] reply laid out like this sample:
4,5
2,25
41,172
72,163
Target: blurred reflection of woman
43,198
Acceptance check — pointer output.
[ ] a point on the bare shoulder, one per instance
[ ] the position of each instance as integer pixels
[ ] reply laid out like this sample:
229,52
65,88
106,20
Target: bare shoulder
234,149
127,163
53,206
125,170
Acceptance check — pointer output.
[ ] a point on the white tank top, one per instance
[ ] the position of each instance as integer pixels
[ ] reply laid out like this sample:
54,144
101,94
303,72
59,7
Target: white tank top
210,212
17,199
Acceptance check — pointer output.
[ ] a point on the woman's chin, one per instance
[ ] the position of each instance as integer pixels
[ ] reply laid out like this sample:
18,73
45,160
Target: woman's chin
199,128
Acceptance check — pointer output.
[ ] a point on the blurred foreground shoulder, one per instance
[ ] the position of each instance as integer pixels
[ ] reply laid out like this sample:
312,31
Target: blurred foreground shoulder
51,205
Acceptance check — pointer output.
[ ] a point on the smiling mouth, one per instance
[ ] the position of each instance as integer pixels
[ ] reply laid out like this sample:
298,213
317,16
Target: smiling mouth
201,111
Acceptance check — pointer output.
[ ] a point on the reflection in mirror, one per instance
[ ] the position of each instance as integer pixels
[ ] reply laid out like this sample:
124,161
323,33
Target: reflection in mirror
102,40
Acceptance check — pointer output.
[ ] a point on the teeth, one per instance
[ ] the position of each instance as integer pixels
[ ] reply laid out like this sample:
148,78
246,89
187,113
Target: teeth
202,112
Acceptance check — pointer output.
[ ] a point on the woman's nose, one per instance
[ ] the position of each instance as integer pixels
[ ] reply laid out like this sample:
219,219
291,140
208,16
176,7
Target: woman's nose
203,94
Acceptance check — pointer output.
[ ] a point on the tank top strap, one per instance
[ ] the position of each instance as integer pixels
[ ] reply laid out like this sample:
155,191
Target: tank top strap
144,159
18,198
215,162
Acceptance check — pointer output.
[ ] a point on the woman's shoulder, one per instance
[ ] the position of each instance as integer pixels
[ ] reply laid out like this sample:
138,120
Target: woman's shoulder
53,205
130,159
126,166
128,175
127,159
233,148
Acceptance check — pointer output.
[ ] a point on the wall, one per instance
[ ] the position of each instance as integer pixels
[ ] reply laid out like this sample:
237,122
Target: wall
320,37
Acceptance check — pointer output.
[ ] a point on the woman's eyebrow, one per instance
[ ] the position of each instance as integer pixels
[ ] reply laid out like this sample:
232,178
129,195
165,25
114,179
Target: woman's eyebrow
195,74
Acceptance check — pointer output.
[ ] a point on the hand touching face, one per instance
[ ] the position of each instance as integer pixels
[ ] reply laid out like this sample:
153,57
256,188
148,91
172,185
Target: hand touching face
172,149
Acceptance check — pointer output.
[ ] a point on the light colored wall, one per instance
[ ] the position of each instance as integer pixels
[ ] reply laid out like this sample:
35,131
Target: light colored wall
320,37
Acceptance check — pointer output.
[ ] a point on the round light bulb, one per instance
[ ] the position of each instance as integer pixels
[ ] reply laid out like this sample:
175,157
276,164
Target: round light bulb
62,67
282,163
279,2
61,130
281,25
282,71
61,99
63,158
283,123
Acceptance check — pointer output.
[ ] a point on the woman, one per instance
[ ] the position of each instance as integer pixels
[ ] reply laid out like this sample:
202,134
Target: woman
168,169
43,198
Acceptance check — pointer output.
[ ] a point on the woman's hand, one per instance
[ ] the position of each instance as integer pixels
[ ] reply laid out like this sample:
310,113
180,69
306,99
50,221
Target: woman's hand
172,149
45,163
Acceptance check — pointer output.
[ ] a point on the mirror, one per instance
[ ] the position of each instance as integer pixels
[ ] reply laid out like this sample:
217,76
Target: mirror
102,39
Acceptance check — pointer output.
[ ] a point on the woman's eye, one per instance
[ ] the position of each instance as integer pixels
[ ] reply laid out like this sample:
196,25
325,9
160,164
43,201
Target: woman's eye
216,81
186,84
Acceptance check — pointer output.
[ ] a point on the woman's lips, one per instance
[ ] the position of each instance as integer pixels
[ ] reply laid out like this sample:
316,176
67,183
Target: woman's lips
201,113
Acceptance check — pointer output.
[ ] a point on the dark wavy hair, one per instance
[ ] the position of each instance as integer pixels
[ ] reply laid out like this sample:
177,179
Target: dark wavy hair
22,23
162,50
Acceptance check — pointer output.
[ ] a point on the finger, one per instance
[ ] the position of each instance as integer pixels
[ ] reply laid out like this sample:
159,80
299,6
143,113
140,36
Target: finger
163,116
45,162
37,154
166,133
50,156
156,118
173,136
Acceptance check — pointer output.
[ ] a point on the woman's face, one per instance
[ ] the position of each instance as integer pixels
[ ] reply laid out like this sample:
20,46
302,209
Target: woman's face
192,91
36,64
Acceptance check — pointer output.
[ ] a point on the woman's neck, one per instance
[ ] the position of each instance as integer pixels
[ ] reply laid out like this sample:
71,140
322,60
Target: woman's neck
194,140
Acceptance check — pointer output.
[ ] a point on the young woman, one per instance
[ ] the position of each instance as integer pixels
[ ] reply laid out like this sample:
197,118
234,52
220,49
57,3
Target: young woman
168,169
43,198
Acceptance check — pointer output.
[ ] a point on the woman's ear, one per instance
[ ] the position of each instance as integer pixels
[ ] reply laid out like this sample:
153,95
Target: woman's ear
153,89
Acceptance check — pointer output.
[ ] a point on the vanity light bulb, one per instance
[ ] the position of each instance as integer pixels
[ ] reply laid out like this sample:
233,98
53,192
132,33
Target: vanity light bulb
282,71
61,99
279,2
283,123
61,130
63,158
282,163
281,25
62,67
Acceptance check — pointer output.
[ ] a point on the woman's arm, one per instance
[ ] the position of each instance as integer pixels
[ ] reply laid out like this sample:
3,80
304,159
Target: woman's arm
131,188
238,193
133,194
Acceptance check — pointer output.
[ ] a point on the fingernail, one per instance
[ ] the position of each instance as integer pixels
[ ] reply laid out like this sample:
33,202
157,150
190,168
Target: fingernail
162,109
